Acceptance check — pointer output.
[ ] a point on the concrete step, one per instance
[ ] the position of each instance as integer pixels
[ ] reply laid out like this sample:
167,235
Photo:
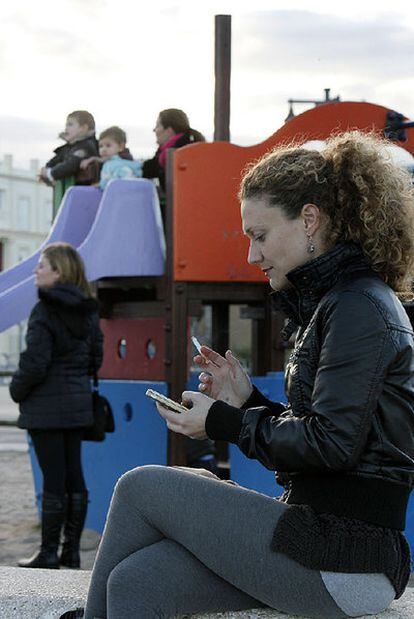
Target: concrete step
40,594
46,594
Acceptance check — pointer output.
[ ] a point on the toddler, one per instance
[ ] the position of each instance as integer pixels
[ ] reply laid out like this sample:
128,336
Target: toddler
112,149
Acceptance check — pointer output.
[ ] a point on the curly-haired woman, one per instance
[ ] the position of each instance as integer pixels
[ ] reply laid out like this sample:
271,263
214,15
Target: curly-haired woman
333,232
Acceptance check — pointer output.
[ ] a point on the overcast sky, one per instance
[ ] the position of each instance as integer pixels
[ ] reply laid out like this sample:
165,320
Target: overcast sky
124,60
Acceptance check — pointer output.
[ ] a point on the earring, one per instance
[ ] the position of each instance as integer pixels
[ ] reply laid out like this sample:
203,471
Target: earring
311,246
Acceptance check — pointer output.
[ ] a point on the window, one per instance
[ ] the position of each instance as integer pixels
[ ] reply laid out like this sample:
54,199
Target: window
23,213
3,205
47,215
23,251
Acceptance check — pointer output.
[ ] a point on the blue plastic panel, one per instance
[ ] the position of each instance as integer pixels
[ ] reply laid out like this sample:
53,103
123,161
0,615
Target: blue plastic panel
140,437
409,530
250,473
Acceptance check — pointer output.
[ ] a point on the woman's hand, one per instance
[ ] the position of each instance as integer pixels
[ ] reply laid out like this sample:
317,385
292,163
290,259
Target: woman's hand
193,423
224,378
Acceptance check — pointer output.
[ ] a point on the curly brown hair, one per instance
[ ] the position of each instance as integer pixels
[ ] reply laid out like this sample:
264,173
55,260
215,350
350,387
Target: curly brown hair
365,198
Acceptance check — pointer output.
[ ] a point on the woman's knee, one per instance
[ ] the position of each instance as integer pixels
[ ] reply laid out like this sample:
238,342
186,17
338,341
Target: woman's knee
131,591
139,477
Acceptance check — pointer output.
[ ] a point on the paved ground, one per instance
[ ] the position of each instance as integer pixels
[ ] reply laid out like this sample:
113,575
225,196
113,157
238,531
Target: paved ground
8,409
19,525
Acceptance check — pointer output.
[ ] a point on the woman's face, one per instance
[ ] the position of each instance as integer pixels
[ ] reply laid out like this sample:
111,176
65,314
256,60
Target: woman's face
162,134
45,276
277,244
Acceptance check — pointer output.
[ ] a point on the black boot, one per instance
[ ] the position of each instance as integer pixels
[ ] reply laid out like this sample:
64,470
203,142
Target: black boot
53,513
77,507
78,613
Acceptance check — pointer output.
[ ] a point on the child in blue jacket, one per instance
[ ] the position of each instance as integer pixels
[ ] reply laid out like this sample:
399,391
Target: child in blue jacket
115,157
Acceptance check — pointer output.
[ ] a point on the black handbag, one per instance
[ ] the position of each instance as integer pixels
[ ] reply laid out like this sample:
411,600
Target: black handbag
103,417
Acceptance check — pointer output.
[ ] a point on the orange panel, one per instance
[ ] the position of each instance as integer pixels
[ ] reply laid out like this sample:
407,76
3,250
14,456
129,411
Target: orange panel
208,241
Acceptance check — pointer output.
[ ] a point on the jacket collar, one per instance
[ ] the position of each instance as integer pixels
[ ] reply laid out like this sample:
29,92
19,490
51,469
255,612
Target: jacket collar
68,297
72,307
311,281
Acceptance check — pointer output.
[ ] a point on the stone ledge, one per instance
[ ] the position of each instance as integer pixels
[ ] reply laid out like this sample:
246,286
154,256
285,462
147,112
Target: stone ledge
40,594
46,594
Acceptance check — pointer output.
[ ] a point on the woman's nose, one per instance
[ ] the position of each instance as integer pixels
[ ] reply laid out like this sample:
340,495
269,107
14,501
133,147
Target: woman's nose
254,256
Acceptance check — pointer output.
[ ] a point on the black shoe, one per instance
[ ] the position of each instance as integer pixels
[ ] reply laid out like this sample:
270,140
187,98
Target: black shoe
78,613
53,512
46,559
76,509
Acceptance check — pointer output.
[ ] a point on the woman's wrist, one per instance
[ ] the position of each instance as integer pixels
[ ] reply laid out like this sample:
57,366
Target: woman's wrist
224,422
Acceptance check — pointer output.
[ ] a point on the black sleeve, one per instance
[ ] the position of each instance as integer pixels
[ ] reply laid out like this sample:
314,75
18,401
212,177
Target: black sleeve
35,361
54,161
68,162
96,352
349,379
68,167
224,422
151,167
257,398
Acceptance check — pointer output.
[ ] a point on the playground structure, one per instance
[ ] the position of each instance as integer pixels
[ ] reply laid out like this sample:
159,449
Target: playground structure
149,295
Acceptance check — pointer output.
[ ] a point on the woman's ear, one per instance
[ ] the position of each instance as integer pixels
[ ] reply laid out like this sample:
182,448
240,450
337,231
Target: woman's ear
312,218
56,274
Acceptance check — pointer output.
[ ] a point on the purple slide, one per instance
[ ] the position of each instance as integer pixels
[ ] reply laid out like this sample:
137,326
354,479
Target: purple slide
127,236
73,222
126,239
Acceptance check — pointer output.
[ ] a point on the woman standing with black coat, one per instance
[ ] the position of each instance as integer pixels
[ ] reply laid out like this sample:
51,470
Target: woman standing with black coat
52,387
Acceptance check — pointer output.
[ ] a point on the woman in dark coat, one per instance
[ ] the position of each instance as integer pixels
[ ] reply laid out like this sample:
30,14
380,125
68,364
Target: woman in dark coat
172,130
52,387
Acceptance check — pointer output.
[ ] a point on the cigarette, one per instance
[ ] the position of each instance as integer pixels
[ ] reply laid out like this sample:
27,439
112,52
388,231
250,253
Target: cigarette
198,346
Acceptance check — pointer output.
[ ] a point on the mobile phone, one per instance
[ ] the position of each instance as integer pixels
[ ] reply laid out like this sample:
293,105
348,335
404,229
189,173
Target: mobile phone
167,402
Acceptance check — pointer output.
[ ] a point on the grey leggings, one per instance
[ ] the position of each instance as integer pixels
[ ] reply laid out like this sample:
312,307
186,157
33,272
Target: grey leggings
177,543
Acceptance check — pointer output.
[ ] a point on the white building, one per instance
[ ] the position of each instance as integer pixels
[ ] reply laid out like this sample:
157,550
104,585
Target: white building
25,220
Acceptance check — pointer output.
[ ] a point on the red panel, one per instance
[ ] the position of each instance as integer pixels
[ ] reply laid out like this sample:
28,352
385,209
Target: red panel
208,241
131,360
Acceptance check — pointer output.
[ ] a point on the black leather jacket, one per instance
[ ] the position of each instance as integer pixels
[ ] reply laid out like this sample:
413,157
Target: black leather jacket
68,157
348,430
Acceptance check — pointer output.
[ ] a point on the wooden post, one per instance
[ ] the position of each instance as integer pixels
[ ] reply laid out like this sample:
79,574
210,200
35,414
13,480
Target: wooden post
222,63
176,312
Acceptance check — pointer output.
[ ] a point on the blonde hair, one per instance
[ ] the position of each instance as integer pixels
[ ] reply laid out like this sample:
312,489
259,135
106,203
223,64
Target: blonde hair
64,258
365,197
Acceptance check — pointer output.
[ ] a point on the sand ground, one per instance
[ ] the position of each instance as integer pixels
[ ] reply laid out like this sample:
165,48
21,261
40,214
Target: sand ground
19,524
